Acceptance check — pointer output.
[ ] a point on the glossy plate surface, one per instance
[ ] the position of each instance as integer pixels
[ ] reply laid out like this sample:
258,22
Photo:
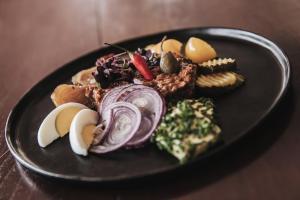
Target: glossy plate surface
264,65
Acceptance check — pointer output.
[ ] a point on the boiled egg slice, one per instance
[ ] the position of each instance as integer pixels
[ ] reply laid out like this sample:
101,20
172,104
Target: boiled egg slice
82,131
57,123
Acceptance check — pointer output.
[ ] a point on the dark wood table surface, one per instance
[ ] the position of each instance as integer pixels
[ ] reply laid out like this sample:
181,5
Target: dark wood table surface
36,37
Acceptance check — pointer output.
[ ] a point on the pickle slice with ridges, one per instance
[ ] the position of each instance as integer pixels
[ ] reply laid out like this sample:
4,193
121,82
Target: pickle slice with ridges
218,83
217,65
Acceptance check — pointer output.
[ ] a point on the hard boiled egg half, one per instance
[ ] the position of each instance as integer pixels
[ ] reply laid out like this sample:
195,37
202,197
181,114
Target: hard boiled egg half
57,123
82,131
75,118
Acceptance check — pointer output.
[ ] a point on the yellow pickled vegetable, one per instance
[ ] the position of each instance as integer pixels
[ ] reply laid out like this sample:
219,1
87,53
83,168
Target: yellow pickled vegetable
199,51
168,45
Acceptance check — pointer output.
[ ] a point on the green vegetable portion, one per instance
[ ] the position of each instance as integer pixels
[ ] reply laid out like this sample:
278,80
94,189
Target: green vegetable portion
187,129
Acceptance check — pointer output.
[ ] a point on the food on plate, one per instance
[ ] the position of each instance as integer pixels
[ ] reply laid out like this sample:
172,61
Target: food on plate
152,107
219,82
95,94
123,120
171,45
198,50
138,61
85,77
175,85
168,63
217,65
112,71
151,94
82,130
65,93
132,107
187,129
57,123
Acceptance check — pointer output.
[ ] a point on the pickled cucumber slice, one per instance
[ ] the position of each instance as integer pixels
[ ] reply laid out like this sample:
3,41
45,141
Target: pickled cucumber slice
218,83
217,65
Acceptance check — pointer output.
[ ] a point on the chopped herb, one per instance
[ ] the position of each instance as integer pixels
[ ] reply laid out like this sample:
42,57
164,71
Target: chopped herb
187,129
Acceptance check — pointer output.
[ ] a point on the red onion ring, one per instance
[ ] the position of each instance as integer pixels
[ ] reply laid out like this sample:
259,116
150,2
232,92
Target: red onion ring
100,133
128,100
137,81
152,106
126,90
110,97
145,127
125,117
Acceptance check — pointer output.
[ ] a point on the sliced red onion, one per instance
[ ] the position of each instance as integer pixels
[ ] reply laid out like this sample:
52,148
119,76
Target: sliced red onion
100,132
126,90
146,100
126,120
152,106
110,97
137,81
145,127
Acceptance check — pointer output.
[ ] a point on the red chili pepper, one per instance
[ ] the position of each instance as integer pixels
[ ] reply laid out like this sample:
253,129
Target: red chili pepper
141,65
138,61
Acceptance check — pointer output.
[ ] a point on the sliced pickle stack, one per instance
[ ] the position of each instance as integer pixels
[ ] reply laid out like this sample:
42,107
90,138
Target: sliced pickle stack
217,76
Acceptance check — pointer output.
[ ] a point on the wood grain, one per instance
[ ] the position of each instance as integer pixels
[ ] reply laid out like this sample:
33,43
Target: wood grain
36,37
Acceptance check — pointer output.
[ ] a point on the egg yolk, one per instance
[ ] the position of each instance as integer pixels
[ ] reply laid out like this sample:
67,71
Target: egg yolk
88,134
64,119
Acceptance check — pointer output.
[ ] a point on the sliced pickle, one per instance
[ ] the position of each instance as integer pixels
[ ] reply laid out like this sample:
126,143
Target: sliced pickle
217,65
219,82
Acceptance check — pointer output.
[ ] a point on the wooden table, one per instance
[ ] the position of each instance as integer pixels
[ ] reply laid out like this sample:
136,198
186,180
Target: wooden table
36,37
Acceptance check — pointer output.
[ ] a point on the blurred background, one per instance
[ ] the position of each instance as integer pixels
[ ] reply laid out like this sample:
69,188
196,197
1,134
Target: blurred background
43,35
38,36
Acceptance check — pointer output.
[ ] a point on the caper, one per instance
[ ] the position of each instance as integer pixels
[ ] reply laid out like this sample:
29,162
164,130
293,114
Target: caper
168,63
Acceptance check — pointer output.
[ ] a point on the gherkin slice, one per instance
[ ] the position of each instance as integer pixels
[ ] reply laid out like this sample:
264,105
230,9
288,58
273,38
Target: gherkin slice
218,83
217,65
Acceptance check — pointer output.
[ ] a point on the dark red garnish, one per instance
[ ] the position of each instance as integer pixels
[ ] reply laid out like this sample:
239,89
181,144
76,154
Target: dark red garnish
138,61
112,70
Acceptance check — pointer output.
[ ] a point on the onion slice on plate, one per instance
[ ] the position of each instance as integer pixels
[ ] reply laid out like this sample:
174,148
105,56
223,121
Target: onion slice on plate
144,132
125,122
110,97
152,106
99,133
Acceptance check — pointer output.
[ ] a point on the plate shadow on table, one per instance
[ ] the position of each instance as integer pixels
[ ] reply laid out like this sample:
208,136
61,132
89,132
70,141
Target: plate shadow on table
190,178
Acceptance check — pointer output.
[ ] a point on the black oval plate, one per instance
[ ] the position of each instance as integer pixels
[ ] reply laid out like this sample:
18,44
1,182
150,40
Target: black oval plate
261,61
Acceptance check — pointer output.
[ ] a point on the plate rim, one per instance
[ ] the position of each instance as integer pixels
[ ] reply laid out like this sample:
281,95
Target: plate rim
275,49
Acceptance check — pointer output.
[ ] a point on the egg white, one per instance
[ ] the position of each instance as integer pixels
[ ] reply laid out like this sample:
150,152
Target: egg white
47,132
82,118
